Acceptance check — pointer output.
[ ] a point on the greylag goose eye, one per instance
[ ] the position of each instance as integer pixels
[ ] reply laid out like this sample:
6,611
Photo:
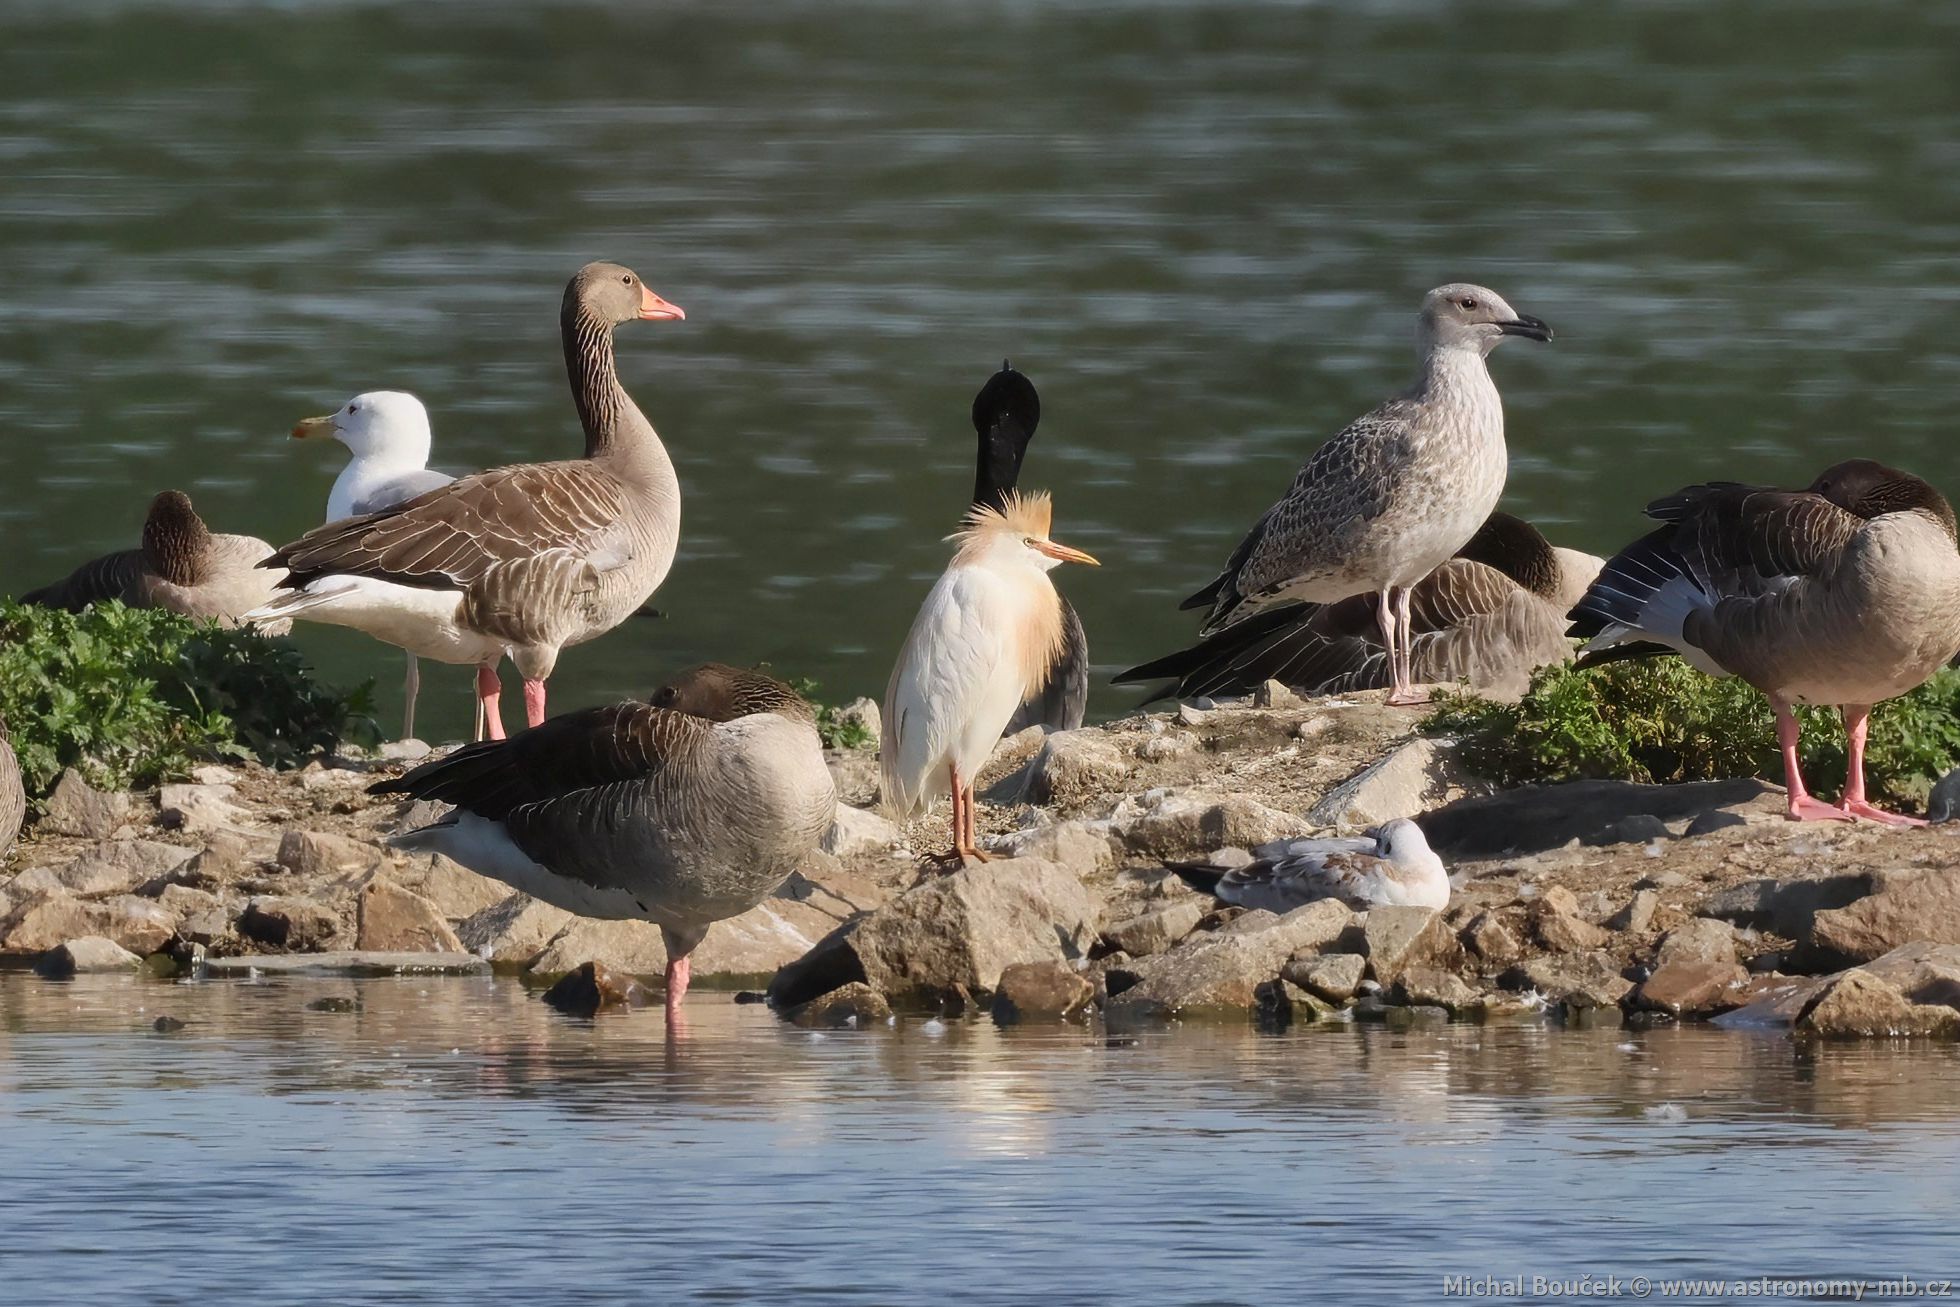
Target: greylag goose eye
1393,865
387,432
1005,414
1395,493
1491,617
983,642
182,566
642,812
1846,593
525,560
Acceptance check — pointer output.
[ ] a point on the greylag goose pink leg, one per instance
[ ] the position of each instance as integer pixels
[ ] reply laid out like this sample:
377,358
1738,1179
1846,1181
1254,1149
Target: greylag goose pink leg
533,702
1857,721
1801,806
489,691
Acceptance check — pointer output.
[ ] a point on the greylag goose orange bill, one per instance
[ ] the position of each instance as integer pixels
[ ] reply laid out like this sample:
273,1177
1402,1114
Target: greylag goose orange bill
1845,593
683,811
1392,865
1395,493
1491,617
984,641
387,432
525,560
182,566
1005,414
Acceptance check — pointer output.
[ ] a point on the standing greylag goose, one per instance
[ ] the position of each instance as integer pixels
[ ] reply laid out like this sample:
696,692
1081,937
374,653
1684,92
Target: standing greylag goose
984,641
181,566
683,811
1491,616
1846,593
1005,414
1392,865
13,795
387,431
527,559
1396,493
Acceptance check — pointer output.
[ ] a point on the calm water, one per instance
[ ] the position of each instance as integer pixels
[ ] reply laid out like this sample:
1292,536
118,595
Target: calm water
1201,229
456,1141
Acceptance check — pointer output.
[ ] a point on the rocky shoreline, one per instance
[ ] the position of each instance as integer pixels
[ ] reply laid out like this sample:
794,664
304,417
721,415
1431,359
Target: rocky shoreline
1597,902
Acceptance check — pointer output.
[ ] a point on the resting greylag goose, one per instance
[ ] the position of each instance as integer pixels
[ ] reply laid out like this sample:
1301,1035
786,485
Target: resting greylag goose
387,432
528,559
1005,414
13,795
1846,593
1393,865
181,566
683,811
1394,494
984,641
1491,616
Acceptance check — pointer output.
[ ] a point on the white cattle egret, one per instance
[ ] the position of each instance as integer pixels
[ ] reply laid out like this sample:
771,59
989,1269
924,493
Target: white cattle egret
984,640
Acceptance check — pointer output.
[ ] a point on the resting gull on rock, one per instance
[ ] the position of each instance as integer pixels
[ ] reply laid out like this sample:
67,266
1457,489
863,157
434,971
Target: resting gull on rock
1392,865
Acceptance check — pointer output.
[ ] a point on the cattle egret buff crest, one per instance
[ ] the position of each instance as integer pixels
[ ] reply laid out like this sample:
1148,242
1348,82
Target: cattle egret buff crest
985,639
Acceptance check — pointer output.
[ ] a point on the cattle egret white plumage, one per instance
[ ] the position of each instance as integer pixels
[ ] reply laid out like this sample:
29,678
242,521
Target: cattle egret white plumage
984,640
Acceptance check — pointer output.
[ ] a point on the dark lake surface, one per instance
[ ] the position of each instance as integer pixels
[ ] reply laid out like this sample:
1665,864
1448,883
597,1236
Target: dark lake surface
1201,229
453,1140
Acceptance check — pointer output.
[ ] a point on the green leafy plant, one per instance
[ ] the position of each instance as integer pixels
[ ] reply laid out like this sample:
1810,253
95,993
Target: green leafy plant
1659,720
833,728
132,696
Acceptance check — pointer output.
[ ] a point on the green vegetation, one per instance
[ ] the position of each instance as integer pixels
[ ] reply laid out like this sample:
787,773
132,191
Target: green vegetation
833,728
132,696
1660,720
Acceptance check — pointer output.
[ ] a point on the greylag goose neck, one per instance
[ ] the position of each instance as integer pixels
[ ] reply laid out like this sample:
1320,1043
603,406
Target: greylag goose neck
1005,414
1392,496
13,794
982,643
182,566
683,811
528,559
1846,593
1392,865
1491,616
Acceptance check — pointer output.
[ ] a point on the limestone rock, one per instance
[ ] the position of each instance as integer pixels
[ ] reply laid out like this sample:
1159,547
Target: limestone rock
1168,825
390,919
1333,976
1275,695
1905,906
89,953
1857,1004
318,854
1411,780
514,932
1788,905
456,891
1534,818
109,867
1638,915
1397,937
1688,986
1490,939
143,926
1580,980
1158,929
294,925
1640,828
852,1006
196,809
632,948
227,856
1702,939
855,830
1435,987
1081,846
592,988
863,713
1224,969
348,962
1073,764
1713,820
1039,991
1555,920
75,807
43,921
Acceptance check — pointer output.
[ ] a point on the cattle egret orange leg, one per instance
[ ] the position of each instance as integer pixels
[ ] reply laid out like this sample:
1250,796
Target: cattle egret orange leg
489,690
533,702
1857,720
1801,806
973,849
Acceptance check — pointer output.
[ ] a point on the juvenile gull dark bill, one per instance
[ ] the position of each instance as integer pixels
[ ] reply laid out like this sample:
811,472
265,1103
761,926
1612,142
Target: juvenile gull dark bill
1394,494
1845,593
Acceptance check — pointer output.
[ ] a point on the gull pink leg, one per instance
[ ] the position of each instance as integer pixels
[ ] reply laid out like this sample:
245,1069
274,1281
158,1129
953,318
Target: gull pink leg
1801,806
533,702
1857,722
489,691
1404,654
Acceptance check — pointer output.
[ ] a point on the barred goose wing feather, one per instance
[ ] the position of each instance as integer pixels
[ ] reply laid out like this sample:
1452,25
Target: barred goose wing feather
112,576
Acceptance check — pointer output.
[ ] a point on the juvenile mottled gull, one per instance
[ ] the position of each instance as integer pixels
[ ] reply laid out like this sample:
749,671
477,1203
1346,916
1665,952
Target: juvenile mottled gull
1491,617
685,810
1391,865
181,566
1005,414
387,431
1396,493
527,559
1846,593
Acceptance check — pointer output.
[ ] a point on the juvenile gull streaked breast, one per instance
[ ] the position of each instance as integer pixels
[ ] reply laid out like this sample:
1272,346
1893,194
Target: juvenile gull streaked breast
1396,493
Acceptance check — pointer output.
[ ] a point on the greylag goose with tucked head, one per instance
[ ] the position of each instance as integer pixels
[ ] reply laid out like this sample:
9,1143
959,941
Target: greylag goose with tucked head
1491,617
1005,414
1391,865
182,565
685,810
528,559
1846,593
13,795
1397,492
